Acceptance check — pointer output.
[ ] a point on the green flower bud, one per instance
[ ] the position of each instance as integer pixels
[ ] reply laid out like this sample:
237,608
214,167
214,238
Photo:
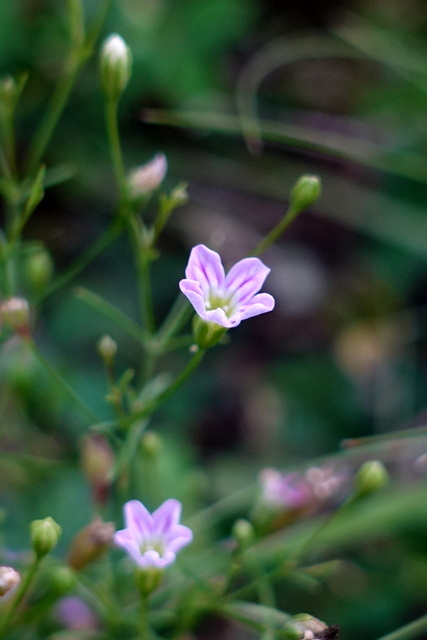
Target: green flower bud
305,191
116,62
179,195
371,476
15,313
151,444
107,349
44,535
207,334
39,269
62,579
243,532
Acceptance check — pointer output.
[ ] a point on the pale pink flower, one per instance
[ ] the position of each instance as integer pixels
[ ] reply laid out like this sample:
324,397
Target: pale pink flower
285,490
146,178
225,299
153,539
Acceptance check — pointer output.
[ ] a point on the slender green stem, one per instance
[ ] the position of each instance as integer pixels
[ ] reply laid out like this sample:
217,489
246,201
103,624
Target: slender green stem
179,314
4,165
62,384
142,257
178,382
95,29
8,137
408,631
143,619
84,259
52,115
275,233
22,590
109,311
111,119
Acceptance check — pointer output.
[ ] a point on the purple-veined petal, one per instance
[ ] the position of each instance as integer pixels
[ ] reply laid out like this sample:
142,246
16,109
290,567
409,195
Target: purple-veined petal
246,278
220,317
152,540
205,267
179,537
166,517
138,520
130,545
192,290
261,303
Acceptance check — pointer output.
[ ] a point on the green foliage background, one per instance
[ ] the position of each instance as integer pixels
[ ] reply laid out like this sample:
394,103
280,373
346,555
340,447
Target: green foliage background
344,354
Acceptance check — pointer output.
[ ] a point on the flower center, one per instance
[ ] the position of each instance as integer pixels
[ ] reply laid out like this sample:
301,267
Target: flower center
220,300
152,544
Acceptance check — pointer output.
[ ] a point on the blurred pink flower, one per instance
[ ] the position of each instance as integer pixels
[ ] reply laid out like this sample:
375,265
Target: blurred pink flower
225,299
152,540
286,490
74,613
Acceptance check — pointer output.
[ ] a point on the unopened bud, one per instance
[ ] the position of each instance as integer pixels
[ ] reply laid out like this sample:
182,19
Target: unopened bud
90,543
15,314
243,532
45,535
97,462
9,580
116,62
148,177
62,580
39,269
151,444
371,476
207,334
107,349
305,191
177,197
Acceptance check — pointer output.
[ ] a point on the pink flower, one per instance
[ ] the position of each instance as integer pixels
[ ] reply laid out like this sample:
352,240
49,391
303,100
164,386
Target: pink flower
286,490
153,539
225,299
147,177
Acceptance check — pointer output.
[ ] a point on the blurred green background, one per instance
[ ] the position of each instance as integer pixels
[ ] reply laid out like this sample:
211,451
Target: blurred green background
337,89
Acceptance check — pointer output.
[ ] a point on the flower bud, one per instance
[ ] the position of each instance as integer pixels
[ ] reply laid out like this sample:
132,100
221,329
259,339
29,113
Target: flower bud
116,62
39,269
15,313
243,532
107,349
62,579
151,444
371,476
179,195
305,191
207,334
148,177
90,543
45,535
10,91
97,462
9,580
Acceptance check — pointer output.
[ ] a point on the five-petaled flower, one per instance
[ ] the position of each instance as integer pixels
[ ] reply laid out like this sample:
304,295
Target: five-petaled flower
153,539
223,299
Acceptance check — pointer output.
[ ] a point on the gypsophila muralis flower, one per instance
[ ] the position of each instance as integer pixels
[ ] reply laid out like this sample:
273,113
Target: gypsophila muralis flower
225,300
146,178
153,539
285,490
9,580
